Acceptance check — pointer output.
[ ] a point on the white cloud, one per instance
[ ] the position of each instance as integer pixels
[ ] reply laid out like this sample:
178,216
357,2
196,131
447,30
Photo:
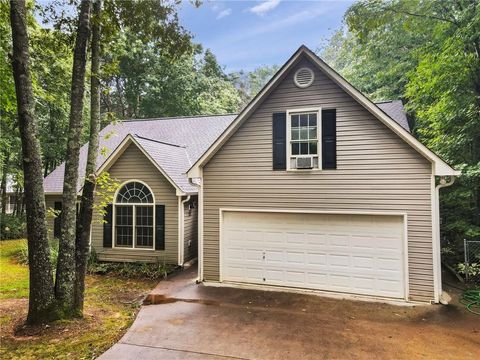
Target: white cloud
264,7
284,23
224,13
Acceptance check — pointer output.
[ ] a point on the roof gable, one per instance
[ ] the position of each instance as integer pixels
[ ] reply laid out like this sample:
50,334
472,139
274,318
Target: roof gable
191,135
169,159
400,128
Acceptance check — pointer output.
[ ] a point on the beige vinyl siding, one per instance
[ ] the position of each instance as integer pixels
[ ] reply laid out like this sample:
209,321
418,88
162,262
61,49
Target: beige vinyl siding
134,165
376,171
191,230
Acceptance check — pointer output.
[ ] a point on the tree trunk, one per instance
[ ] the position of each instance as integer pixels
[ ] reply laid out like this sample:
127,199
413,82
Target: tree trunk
65,280
3,185
41,299
120,97
86,206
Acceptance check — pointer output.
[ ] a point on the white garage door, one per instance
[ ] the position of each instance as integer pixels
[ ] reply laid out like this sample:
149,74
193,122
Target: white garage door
360,254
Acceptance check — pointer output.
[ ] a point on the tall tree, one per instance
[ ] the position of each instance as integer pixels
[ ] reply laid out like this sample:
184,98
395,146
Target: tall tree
65,276
148,83
86,206
251,82
41,298
428,53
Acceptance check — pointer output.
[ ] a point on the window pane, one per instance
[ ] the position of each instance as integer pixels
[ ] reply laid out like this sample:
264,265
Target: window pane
124,226
295,134
294,120
304,120
144,215
295,148
313,148
134,192
312,119
144,226
123,236
124,215
312,133
144,237
304,148
304,133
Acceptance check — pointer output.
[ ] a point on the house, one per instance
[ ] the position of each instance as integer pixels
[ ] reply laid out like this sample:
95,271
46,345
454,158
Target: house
153,215
10,195
311,186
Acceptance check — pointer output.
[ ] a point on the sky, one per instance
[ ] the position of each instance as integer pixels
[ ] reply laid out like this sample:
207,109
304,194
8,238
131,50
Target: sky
248,34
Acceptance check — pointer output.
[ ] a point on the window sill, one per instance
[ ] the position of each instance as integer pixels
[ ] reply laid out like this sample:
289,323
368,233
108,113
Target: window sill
132,248
305,170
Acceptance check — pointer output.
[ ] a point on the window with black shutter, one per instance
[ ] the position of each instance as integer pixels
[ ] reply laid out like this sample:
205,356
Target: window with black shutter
107,226
304,139
279,146
329,139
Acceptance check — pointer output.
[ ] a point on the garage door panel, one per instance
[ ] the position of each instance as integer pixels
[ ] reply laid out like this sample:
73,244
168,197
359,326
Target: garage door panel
273,237
386,264
316,259
274,256
363,262
347,253
339,241
233,254
318,240
295,258
295,239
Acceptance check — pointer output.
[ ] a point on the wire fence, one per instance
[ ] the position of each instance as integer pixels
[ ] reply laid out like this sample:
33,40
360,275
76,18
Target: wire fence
472,261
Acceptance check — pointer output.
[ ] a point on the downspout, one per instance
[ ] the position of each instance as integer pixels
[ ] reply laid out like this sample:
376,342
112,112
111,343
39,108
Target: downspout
199,185
181,251
437,275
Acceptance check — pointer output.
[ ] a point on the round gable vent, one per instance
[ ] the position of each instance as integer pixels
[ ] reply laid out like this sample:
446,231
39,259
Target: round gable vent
303,77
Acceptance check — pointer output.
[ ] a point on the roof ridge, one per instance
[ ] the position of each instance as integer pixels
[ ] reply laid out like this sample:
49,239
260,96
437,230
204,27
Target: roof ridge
160,142
385,101
179,117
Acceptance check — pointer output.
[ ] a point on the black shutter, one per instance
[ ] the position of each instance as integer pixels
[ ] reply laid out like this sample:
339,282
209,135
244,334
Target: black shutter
107,226
159,227
279,148
57,220
329,139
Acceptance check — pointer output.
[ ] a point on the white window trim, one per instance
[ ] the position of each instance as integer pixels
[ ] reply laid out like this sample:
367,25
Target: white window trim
114,218
291,112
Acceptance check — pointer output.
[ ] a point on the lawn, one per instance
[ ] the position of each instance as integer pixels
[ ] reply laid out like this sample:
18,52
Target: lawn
111,305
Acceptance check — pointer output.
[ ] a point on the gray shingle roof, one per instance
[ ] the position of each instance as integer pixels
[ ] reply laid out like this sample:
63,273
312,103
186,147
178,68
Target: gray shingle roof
174,143
173,159
394,109
192,135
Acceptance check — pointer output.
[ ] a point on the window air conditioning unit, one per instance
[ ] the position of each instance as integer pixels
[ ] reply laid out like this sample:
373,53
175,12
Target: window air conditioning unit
304,162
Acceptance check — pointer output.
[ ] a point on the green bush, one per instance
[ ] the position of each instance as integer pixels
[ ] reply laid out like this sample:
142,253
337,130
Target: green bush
136,270
128,270
12,227
22,254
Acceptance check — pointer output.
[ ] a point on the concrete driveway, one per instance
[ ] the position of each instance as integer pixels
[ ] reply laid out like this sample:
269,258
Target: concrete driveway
189,321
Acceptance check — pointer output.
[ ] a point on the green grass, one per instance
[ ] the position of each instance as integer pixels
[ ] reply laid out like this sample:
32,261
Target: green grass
111,304
13,276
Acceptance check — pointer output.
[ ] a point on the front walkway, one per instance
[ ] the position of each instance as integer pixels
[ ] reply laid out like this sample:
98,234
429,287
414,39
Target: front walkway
190,321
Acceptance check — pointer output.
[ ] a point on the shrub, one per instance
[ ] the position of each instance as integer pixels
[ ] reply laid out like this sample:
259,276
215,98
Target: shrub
128,270
22,254
472,269
12,227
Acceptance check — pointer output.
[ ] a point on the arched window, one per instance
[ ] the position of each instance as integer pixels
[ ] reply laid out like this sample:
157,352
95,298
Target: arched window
134,216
